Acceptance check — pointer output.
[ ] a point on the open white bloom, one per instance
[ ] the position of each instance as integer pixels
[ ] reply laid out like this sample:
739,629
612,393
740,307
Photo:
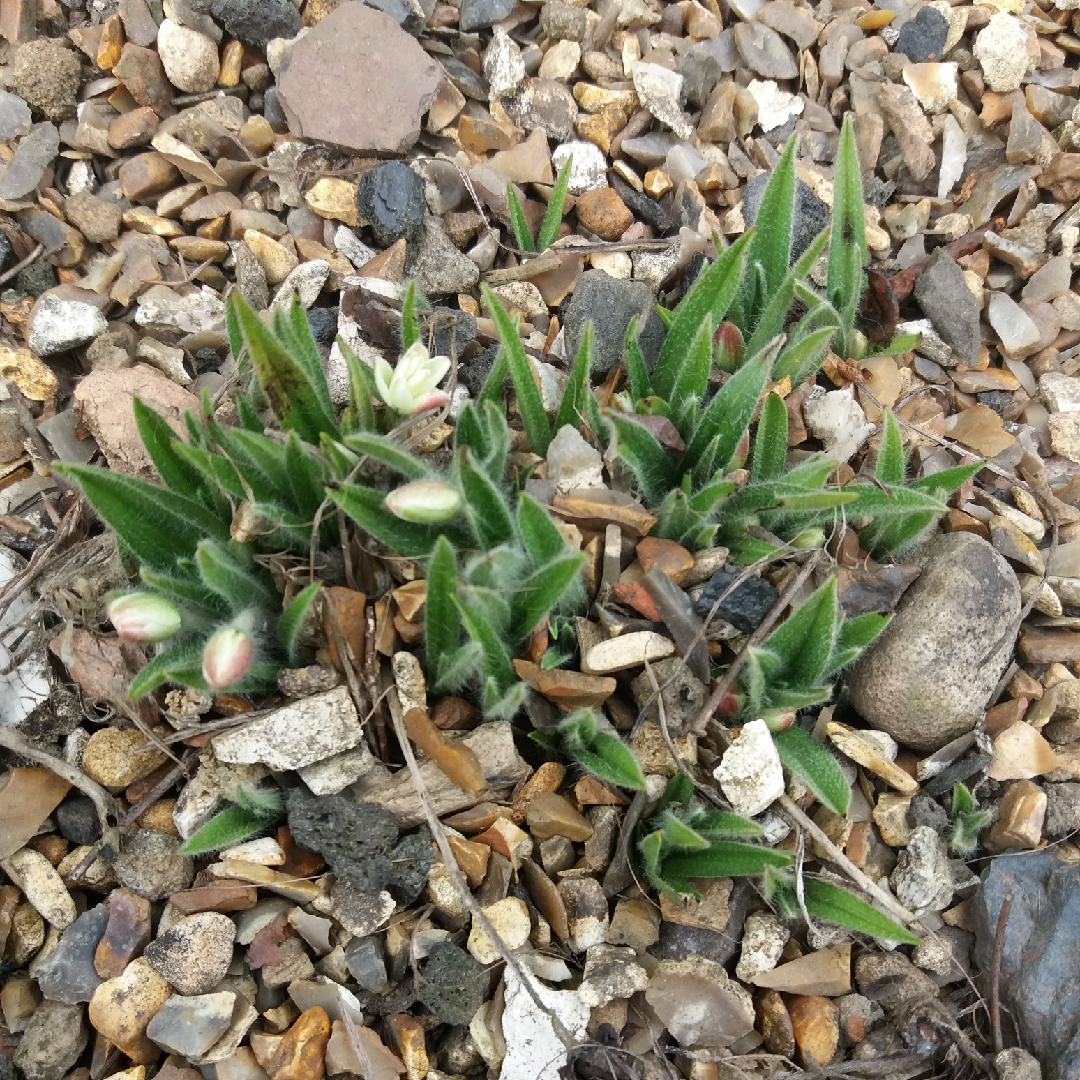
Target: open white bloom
411,386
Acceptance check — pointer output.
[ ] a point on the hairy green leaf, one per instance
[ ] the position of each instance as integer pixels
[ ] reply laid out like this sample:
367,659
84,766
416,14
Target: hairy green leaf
771,247
235,823
238,585
711,295
815,766
179,663
770,444
640,387
488,514
847,252
725,858
442,625
541,591
495,660
838,906
388,451
890,462
410,328
572,409
530,403
156,525
553,215
611,760
292,621
648,460
692,379
522,236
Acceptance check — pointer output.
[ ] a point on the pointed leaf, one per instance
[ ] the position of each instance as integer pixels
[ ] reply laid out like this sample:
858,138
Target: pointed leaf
180,663
679,836
157,526
157,435
541,536
530,403
771,248
442,626
718,824
640,387
612,761
711,294
296,402
649,461
572,406
837,905
485,506
495,660
239,586
770,444
388,451
292,620
728,414
549,229
520,226
692,379
541,591
725,858
890,462
847,253
815,766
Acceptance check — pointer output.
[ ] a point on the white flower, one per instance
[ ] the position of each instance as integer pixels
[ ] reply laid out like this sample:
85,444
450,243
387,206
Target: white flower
411,386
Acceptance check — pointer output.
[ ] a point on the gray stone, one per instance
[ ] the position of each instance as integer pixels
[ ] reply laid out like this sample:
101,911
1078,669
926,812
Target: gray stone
923,879
437,267
1040,960
1062,810
14,116
68,974
194,955
189,1026
1017,1064
52,1042
563,22
77,819
151,865
139,24
390,200
811,214
683,694
610,303
251,277
33,155
949,304
57,325
354,837
478,14
928,676
765,51
453,985
366,961
922,39
545,104
744,607
256,22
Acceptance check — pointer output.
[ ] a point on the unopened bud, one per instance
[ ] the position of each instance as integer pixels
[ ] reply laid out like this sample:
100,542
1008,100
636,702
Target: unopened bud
809,538
778,719
727,346
227,657
429,502
144,617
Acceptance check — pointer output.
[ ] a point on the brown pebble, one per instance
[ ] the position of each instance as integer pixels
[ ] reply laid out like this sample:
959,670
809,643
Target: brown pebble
673,559
135,128
602,211
816,1024
223,898
126,934
774,1023
146,175
302,1053
551,814
1049,646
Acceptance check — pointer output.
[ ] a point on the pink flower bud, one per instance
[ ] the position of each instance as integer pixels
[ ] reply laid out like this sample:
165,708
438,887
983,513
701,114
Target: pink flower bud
429,502
727,346
144,617
435,400
227,657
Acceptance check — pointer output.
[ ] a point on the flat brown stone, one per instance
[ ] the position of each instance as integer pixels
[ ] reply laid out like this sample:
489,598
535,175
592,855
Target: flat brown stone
135,128
126,934
602,211
567,689
221,898
1050,646
143,75
146,175
302,1053
358,54
816,1022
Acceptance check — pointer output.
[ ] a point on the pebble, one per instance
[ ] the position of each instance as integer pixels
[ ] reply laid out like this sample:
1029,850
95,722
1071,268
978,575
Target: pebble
815,1022
68,974
298,734
438,268
551,814
46,76
52,1042
611,973
1014,327
923,878
301,1053
533,1049
151,866
602,211
826,972
121,1009
763,941
41,885
116,758
126,934
627,651
922,38
390,200
189,1026
750,773
698,1004
190,58
369,58
1021,814
32,156
57,324
586,912
942,294
861,749
589,168
195,953
836,418
1001,49
763,50
960,611
660,91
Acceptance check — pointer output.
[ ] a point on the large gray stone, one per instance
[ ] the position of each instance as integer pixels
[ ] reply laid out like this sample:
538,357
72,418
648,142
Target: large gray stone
610,303
53,1040
928,676
950,305
68,975
1040,960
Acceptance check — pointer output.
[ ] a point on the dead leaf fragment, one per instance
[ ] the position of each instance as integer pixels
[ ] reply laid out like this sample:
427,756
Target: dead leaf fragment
454,758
